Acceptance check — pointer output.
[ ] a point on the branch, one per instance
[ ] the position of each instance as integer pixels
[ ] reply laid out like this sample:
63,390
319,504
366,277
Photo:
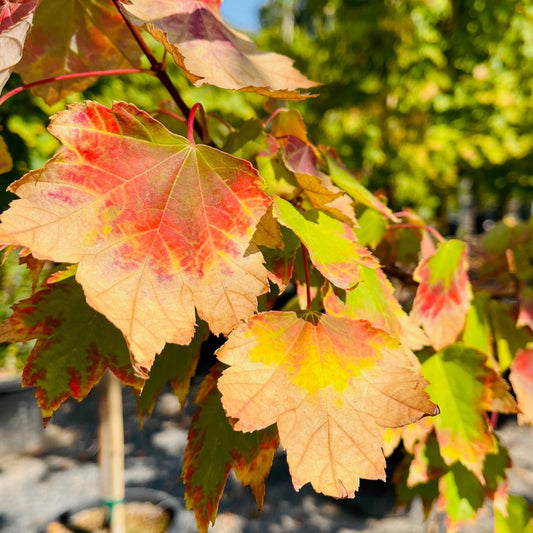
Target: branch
73,75
158,69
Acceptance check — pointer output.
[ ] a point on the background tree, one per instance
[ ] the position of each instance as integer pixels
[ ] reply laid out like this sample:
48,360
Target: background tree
421,95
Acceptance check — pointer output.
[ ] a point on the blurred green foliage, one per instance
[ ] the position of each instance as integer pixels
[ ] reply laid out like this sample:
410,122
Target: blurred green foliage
15,284
419,93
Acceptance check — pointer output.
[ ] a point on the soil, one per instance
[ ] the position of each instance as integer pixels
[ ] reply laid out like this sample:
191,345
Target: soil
141,517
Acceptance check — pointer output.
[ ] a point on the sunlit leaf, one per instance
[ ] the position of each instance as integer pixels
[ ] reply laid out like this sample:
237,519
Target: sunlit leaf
373,300
349,183
457,377
518,517
372,227
278,246
214,448
332,245
300,158
331,384
157,224
208,51
426,464
461,494
477,331
444,293
16,18
289,122
251,141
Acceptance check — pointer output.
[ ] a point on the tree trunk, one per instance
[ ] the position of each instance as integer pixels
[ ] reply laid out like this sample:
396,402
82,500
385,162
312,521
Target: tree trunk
111,451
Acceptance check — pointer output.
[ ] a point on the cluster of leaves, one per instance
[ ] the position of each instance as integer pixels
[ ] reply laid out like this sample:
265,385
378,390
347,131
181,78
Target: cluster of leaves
421,94
158,237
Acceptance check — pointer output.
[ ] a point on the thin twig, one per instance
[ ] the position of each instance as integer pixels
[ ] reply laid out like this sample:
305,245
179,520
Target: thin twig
158,69
160,111
73,75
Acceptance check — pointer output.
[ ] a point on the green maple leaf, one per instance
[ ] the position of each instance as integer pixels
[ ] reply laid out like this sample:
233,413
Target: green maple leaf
214,448
75,345
518,517
332,245
458,378
175,364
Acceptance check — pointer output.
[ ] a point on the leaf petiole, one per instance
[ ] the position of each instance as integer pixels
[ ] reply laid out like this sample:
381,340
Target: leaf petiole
191,122
73,75
307,277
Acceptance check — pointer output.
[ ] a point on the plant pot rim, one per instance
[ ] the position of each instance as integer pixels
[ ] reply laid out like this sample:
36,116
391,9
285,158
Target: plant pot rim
133,494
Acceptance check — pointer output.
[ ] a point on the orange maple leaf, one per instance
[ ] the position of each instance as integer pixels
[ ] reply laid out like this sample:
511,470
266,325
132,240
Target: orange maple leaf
331,384
208,51
158,225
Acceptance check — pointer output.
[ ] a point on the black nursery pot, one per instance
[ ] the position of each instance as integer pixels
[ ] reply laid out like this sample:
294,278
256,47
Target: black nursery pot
21,423
161,499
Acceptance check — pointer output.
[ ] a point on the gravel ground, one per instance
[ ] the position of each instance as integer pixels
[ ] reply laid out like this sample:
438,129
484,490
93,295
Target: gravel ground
62,473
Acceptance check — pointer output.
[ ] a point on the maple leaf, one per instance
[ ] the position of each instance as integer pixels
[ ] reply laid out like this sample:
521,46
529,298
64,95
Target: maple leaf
521,378
15,21
477,330
251,141
300,158
75,345
462,494
458,377
342,177
426,463
332,245
444,293
287,122
525,316
74,36
516,518
214,448
372,228
158,225
278,245
208,51
508,338
331,384
176,364
373,300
